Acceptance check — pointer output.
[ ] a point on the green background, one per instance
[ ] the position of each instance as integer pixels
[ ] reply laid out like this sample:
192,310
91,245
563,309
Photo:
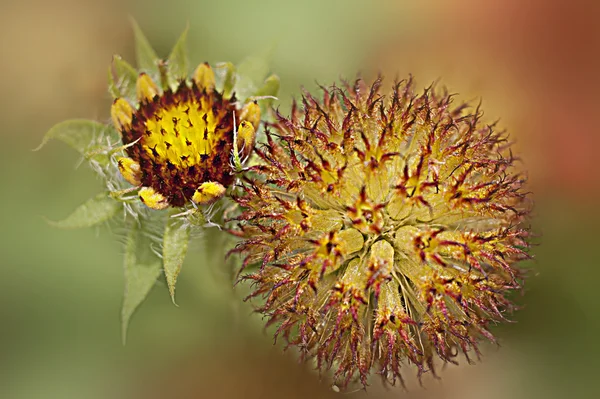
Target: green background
61,291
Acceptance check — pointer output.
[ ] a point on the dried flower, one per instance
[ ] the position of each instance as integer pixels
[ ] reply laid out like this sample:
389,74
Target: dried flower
386,229
175,142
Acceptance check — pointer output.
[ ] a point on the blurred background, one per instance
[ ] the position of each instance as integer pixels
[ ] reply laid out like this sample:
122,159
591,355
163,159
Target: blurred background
535,64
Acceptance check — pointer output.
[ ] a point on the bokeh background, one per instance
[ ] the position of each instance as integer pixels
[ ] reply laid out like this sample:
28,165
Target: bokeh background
535,64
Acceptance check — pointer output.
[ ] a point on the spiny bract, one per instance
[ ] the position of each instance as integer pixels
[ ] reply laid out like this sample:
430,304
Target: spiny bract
385,229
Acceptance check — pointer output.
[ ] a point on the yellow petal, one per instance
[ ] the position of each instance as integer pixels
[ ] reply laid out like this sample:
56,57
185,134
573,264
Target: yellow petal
145,88
152,199
251,113
208,193
121,113
245,138
130,170
205,77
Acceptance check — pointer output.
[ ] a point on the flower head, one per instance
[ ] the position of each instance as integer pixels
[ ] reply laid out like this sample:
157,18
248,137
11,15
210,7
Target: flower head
180,141
386,228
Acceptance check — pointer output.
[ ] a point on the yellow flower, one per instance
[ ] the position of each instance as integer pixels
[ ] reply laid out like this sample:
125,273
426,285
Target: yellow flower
179,142
386,228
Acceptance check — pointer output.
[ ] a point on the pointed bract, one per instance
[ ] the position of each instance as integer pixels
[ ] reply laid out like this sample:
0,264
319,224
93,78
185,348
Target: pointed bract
145,56
178,61
175,245
228,71
122,79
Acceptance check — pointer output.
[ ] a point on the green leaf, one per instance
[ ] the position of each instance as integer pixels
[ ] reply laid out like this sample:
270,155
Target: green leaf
80,134
122,79
142,269
145,55
178,61
175,246
94,211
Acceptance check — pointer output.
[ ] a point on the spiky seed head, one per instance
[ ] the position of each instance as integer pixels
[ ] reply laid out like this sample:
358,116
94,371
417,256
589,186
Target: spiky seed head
386,227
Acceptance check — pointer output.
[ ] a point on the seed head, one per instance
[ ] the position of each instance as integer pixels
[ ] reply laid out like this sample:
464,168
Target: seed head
386,228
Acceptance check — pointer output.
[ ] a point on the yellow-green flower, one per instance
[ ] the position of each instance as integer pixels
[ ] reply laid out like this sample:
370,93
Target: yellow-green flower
386,228
175,140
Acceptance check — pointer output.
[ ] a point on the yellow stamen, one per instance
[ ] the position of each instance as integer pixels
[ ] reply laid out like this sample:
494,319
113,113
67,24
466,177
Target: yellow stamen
205,77
208,193
121,113
153,199
145,88
130,170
